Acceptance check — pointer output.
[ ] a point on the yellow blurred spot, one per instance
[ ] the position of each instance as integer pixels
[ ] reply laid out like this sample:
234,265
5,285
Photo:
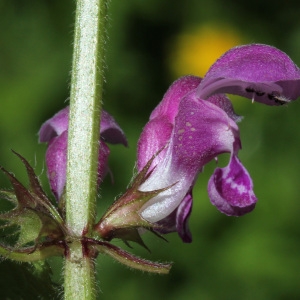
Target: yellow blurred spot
195,51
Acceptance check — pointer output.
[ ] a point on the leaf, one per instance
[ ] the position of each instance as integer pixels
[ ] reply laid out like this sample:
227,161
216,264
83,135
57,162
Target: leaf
26,281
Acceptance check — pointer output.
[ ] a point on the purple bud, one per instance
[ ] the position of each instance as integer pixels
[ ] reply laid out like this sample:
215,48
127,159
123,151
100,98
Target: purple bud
55,132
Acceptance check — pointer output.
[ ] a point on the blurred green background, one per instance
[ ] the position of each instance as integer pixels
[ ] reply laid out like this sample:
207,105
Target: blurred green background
150,44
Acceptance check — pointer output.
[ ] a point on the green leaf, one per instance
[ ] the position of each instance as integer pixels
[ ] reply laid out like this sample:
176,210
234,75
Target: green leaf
26,281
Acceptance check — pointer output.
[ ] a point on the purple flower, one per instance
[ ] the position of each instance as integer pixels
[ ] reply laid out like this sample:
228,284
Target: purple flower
195,122
55,132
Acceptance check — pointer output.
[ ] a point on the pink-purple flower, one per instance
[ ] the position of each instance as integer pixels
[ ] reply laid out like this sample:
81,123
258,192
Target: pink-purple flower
192,125
55,132
195,122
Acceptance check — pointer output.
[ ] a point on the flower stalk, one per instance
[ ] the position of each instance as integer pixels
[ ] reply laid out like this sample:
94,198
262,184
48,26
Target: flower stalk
83,142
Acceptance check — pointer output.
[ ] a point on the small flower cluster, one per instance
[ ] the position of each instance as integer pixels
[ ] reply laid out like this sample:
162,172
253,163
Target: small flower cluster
192,125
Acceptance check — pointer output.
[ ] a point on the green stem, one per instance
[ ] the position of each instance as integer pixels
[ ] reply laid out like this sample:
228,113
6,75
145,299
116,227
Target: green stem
79,275
83,143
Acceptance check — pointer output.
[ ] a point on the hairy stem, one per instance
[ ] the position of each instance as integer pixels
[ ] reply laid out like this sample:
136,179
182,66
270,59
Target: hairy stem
83,145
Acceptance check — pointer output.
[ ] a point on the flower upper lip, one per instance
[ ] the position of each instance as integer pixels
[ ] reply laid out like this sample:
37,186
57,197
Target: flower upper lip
262,69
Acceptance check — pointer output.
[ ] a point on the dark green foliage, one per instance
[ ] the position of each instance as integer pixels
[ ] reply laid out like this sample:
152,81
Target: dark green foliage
27,281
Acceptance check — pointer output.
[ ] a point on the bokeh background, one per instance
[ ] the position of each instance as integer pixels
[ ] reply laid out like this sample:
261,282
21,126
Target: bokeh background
151,43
